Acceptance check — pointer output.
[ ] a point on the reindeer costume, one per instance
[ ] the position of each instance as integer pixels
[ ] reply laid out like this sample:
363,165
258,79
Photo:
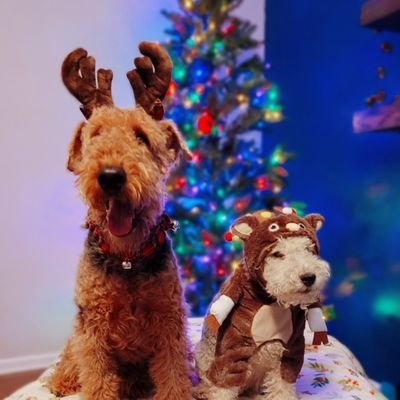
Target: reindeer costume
253,339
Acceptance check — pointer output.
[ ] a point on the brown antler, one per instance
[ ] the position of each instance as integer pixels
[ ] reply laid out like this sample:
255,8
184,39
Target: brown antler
150,87
78,75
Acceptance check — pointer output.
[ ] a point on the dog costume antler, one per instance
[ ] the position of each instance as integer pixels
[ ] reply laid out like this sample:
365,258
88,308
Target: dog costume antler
78,75
150,87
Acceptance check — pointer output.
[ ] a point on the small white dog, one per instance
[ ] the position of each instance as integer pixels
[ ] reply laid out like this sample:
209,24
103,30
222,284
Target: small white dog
253,338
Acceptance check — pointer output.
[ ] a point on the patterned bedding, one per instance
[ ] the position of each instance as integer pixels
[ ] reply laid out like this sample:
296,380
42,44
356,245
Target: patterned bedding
329,373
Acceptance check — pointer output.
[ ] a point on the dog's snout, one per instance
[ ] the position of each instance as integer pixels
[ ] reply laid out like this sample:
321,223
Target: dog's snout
308,279
112,180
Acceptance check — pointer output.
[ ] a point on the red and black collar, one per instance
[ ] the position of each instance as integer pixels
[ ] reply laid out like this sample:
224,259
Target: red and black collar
99,251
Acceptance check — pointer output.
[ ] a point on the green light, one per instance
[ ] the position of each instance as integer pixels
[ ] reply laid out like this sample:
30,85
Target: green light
194,97
218,46
187,127
275,158
192,180
274,107
220,218
192,143
191,42
180,249
179,73
237,245
273,94
387,305
221,193
214,131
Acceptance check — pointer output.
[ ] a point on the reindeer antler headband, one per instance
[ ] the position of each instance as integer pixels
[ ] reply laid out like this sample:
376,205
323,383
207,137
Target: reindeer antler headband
149,80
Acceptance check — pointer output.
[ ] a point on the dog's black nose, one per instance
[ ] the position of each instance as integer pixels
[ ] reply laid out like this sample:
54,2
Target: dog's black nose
112,180
308,279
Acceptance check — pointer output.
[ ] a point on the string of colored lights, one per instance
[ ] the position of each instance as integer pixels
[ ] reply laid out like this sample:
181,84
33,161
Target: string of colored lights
217,95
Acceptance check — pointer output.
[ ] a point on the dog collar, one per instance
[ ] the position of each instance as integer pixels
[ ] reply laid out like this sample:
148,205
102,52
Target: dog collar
99,249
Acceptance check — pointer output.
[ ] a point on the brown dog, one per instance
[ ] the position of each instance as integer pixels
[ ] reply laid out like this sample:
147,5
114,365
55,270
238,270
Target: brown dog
130,335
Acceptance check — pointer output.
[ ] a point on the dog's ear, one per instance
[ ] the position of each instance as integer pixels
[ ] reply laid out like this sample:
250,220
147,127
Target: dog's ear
244,226
175,141
315,220
75,149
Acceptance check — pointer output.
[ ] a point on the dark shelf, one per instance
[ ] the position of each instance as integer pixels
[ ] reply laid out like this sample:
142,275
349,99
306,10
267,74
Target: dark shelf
381,15
378,118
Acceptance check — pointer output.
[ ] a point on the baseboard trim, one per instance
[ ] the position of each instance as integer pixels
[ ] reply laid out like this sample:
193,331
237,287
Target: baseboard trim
26,363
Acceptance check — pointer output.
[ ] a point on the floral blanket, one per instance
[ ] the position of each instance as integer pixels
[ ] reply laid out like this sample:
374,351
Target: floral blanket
329,373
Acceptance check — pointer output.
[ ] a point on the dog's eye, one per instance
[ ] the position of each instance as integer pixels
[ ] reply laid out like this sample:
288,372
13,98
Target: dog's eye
277,254
273,228
142,138
302,226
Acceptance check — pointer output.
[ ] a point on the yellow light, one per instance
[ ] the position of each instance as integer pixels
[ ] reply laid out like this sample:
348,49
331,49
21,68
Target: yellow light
266,214
276,189
242,98
268,115
235,265
188,4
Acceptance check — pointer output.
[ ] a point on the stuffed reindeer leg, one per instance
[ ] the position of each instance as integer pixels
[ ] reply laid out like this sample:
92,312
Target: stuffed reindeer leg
230,294
317,324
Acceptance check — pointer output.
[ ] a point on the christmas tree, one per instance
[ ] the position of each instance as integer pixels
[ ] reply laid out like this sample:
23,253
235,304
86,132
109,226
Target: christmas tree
219,93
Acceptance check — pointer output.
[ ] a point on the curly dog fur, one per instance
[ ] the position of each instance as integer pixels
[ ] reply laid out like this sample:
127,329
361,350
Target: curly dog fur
130,336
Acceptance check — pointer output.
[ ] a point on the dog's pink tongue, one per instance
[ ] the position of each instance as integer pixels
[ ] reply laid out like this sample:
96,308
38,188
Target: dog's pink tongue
119,218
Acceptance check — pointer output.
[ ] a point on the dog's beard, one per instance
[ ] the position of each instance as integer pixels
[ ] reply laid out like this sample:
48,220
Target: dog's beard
283,274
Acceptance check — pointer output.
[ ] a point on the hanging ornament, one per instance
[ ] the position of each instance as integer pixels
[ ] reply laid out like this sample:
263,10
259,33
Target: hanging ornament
228,28
200,70
228,236
179,72
242,204
220,272
381,72
180,182
217,47
262,183
280,171
171,88
258,97
370,101
386,47
205,123
206,238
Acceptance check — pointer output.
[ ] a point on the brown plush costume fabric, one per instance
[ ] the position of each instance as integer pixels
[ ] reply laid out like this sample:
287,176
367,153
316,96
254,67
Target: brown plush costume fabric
245,329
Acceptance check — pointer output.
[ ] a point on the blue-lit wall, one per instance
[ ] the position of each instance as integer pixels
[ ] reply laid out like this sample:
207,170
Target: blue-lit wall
325,65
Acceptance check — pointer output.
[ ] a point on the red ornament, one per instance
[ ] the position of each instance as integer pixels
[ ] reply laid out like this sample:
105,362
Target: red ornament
281,171
262,183
228,29
171,88
386,47
205,123
180,183
196,157
205,236
241,204
221,271
228,236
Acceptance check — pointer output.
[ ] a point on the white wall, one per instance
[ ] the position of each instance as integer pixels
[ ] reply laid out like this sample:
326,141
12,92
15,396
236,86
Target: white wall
40,213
